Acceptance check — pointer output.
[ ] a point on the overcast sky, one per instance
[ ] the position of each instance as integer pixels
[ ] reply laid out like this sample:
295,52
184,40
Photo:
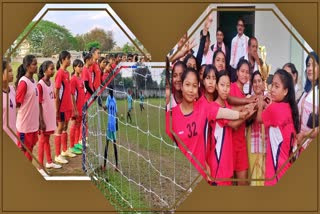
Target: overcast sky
79,22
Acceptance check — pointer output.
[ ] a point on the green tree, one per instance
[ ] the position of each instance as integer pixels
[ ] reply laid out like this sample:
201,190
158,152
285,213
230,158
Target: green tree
128,48
45,33
104,38
92,44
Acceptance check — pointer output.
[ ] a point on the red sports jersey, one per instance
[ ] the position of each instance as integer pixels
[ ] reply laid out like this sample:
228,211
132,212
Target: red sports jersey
86,75
62,82
104,76
192,130
220,150
77,90
277,119
96,76
238,137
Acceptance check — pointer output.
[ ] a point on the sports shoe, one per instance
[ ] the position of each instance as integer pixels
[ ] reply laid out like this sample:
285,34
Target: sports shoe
67,154
75,151
78,146
43,173
53,165
60,159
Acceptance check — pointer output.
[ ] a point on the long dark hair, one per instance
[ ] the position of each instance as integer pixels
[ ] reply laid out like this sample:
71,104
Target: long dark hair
184,68
215,54
240,63
76,63
62,56
22,69
87,57
207,70
252,77
308,84
189,70
4,64
43,67
292,68
290,98
189,56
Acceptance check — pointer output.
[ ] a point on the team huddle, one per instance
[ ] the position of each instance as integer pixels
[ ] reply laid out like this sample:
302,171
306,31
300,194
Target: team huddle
44,108
228,121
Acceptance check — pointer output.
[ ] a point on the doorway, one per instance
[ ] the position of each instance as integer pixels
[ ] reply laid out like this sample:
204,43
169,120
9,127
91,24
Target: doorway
227,21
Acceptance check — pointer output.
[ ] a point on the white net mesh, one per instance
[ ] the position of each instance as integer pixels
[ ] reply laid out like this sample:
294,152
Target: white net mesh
152,172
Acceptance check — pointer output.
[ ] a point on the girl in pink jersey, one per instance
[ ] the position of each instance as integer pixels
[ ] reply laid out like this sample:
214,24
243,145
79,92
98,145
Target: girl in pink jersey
209,85
240,153
176,95
189,122
47,107
77,91
63,107
221,146
8,102
27,100
281,119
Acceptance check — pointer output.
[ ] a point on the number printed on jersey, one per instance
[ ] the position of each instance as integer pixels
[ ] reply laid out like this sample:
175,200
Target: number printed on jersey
192,129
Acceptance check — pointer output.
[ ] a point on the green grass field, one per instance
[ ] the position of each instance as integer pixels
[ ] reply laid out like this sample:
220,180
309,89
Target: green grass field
144,159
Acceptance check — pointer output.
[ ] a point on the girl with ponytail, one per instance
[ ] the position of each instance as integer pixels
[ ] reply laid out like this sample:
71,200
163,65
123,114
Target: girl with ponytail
47,107
63,107
281,119
27,98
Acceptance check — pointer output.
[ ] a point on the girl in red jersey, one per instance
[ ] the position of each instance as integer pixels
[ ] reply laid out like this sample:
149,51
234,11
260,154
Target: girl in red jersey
281,119
106,71
209,85
77,91
87,76
95,68
189,122
63,107
8,102
27,99
221,145
47,107
176,95
240,153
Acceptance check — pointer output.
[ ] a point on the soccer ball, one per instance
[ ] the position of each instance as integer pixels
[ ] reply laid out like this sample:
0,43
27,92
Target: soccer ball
121,116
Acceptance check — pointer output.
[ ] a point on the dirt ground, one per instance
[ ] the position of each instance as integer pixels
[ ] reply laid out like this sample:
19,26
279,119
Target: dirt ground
73,168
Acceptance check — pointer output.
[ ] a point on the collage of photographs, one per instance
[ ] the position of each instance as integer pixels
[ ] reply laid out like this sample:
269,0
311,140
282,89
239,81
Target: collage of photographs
232,103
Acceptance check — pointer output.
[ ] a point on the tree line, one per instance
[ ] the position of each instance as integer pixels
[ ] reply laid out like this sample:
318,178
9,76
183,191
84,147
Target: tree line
48,38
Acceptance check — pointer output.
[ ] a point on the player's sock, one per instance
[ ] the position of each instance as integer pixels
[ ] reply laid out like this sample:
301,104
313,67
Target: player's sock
76,134
47,148
64,140
115,153
41,148
57,142
72,135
